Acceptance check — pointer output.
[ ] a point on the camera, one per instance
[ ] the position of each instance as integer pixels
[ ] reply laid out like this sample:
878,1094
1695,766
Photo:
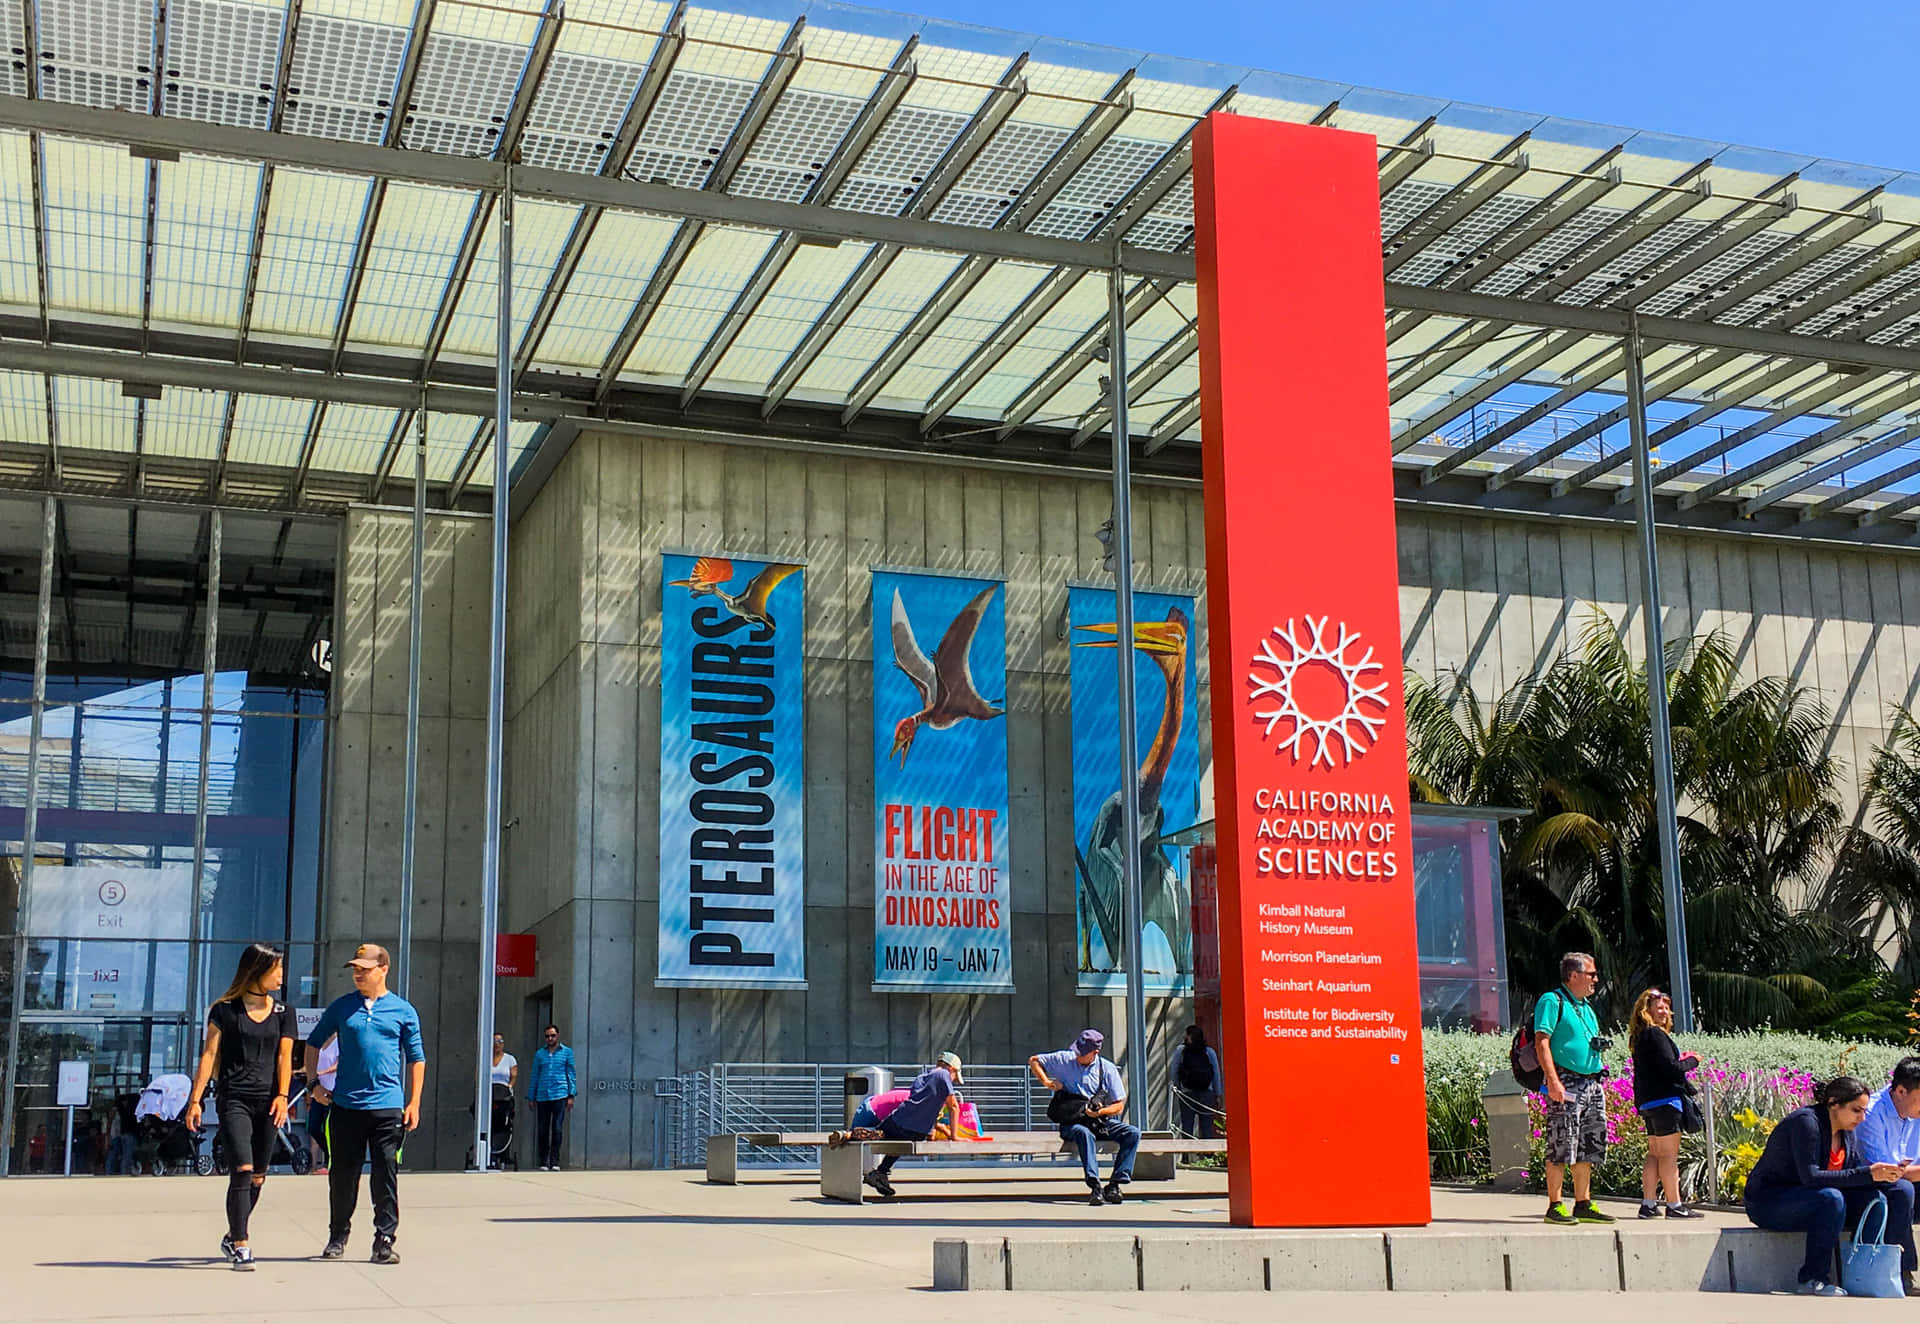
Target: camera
1600,1043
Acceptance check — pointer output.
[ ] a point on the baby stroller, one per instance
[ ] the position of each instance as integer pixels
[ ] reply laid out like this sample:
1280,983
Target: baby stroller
162,1138
500,1151
289,1145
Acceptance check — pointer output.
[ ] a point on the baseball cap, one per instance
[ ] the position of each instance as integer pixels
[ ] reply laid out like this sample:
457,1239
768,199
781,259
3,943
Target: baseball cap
951,1061
1089,1041
370,956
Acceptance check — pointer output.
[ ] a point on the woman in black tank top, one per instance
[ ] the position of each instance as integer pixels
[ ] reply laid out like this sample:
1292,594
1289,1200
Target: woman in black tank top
249,1053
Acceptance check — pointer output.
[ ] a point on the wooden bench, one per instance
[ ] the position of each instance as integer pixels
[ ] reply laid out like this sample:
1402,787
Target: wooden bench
841,1169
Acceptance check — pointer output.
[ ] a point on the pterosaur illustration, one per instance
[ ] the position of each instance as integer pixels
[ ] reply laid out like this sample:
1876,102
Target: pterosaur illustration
1101,863
712,574
947,693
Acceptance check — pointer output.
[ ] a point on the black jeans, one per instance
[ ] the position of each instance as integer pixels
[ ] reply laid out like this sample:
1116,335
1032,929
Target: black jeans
1823,1212
247,1134
356,1136
549,1122
894,1131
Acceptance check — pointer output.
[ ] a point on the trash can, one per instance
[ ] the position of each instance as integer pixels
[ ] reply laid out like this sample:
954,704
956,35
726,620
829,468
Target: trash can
861,1084
1509,1130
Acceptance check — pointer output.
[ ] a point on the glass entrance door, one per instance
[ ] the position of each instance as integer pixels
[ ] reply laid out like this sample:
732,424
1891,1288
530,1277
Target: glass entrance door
122,1054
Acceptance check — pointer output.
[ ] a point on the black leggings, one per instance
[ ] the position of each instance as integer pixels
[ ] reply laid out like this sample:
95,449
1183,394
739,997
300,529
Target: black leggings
247,1133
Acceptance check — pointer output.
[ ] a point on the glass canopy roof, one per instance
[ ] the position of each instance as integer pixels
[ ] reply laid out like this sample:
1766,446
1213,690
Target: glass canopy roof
245,245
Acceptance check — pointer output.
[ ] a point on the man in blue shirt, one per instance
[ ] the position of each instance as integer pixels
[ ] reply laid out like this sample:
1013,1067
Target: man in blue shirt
916,1118
552,1091
1089,1097
1891,1131
370,1109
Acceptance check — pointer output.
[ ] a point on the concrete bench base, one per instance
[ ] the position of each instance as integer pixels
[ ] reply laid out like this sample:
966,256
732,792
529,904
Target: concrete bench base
1735,1259
1158,1158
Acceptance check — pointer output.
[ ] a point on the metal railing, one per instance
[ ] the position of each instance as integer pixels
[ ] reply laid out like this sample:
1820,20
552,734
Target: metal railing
733,1097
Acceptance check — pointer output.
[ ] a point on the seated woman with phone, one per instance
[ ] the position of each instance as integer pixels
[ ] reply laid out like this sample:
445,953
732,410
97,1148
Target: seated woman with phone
1814,1179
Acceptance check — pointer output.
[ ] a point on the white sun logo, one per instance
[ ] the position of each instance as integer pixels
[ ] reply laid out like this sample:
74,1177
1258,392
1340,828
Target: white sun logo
1303,644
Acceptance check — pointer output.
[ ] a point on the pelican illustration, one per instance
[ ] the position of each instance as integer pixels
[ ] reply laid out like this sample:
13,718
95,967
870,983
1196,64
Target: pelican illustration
711,574
1163,899
947,695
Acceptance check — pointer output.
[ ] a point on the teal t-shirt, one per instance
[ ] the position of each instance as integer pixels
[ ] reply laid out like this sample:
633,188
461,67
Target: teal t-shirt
1570,1027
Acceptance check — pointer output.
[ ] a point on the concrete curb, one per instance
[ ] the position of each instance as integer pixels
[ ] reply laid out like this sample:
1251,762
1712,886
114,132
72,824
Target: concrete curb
1734,1259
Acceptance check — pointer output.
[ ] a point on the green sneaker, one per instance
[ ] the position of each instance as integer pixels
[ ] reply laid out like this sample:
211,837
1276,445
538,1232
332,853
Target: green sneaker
1560,1214
1584,1212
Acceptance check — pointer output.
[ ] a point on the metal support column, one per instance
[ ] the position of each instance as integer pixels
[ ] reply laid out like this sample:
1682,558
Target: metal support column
1679,969
411,814
1129,716
210,666
496,689
43,623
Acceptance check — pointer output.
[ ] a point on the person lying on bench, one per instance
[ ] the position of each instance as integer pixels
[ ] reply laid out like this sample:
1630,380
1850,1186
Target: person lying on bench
1088,1098
916,1118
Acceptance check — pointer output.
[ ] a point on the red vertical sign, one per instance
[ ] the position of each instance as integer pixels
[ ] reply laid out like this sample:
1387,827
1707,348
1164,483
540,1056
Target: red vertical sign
1320,992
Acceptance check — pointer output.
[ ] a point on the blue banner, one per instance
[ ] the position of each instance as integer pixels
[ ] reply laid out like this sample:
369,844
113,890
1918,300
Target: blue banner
1165,706
942,921
732,742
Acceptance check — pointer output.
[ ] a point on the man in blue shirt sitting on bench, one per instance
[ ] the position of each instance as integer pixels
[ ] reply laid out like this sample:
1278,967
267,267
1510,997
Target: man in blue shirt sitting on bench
916,1118
1088,1098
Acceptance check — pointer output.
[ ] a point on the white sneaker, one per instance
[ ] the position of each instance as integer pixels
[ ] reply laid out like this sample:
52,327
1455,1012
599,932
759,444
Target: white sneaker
1815,1287
243,1258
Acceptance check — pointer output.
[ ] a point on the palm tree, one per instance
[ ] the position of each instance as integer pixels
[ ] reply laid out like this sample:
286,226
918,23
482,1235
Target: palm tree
1758,820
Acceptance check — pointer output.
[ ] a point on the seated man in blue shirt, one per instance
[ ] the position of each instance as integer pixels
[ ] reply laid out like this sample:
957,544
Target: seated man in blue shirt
916,1118
1890,1133
1089,1097
370,1111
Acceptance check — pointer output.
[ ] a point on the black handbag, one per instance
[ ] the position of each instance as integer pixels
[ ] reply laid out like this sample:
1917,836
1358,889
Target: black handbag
1067,1108
1690,1119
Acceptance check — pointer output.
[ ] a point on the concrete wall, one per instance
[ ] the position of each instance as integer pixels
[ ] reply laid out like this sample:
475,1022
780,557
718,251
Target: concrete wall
366,788
583,750
1496,598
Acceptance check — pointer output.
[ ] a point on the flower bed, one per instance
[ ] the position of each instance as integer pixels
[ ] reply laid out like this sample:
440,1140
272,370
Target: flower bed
1755,1079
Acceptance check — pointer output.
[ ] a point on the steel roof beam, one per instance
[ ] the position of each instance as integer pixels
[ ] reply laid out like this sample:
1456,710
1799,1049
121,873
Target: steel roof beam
1772,268
483,436
1868,412
1543,218
1732,234
1172,423
1094,130
992,112
1062,371
1890,258
1882,513
773,85
1641,223
1686,374
1154,369
1527,359
1401,162
1434,361
1820,473
886,98
1610,366
1173,166
1728,398
1479,188
473,174
1833,390
660,61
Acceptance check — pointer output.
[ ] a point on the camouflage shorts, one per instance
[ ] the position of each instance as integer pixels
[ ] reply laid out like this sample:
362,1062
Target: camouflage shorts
1577,1129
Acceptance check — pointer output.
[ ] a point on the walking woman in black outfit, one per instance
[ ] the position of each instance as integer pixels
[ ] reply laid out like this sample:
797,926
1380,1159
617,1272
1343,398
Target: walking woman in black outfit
1661,1092
249,1053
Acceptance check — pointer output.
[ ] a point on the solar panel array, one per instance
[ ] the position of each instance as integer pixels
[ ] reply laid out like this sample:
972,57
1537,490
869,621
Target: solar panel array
1780,296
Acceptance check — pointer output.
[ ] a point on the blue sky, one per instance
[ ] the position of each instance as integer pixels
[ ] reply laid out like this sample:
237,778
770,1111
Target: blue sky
1822,80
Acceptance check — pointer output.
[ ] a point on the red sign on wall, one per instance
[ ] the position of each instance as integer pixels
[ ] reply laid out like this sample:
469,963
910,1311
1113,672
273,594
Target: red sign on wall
1320,994
514,954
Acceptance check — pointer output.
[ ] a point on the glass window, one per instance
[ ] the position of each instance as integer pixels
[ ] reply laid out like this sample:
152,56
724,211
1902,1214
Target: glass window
1456,916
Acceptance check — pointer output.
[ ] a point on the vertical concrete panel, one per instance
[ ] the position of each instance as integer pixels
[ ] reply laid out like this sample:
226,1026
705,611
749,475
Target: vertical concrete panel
1616,571
785,537
1770,655
605,1131
1703,585
1907,571
1797,617
618,568
839,940
1676,600
703,488
944,504
651,1023
1861,636
828,603
472,608
614,767
386,817
1028,590
430,836
1512,623
346,892
1742,624
357,598
393,598
984,540
1451,640
1547,598
1419,596
662,526
466,794
1892,653
1833,661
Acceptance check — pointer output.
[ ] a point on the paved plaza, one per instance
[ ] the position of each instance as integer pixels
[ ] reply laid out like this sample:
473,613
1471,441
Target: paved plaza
657,1245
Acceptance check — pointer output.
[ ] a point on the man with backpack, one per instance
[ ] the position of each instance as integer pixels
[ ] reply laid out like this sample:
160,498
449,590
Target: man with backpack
1197,1085
1567,1041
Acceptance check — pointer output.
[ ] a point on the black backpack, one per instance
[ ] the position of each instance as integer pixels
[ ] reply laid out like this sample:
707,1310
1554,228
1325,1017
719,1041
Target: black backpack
1524,1056
1195,1073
